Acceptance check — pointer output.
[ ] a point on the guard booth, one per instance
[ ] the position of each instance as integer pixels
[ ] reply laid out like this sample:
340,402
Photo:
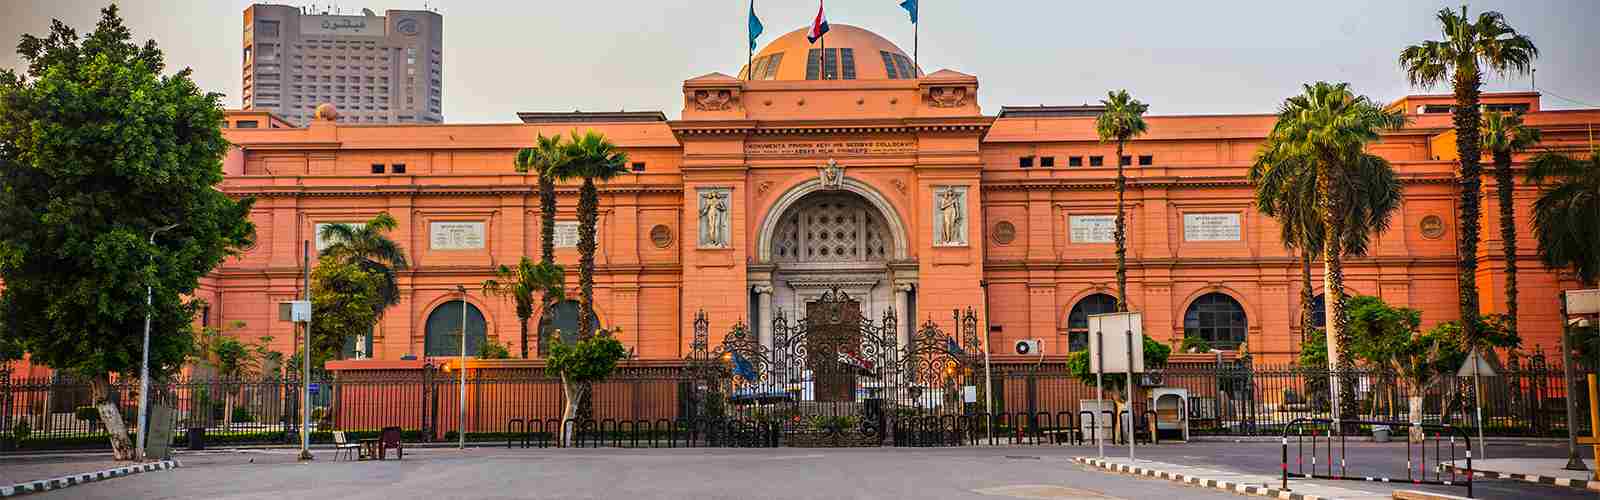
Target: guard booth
1172,418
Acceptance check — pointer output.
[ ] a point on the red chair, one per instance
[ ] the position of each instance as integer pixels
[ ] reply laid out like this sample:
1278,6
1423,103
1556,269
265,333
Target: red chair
390,438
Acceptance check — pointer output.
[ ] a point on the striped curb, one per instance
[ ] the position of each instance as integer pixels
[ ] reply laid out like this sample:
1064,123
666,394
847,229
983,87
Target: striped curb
1228,486
1533,478
77,479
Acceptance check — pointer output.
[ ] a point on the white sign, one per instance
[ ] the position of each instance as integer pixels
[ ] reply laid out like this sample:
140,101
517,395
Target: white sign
1583,301
341,25
1475,365
456,235
1092,228
566,235
299,311
1211,227
969,393
1113,331
322,244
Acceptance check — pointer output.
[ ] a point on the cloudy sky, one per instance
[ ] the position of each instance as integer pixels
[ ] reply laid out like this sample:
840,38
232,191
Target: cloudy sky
1182,57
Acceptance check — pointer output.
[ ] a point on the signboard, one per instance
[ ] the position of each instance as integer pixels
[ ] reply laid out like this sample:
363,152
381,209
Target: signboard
313,388
969,393
1113,328
566,234
1583,301
863,147
159,437
341,25
299,311
456,235
1211,227
1475,365
1092,228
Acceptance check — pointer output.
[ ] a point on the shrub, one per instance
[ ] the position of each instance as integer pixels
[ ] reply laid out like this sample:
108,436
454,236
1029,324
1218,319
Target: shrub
88,414
242,414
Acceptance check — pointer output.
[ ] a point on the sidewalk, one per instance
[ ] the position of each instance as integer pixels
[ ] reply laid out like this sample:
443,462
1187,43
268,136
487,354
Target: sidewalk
48,475
1551,471
1247,484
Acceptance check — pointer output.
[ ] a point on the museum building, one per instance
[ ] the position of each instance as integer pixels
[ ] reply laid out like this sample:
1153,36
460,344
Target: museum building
847,168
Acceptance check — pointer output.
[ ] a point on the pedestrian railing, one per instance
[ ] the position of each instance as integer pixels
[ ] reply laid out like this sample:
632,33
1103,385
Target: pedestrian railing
1326,458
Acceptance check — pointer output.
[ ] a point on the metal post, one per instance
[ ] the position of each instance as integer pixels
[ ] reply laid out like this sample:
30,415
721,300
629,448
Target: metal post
1477,390
305,362
1099,391
988,376
461,400
1133,434
144,363
1574,462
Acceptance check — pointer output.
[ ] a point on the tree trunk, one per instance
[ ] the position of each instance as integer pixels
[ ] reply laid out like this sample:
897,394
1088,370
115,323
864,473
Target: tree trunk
588,216
1504,185
1121,236
227,410
1414,414
522,322
1469,181
121,444
547,219
1332,185
1307,296
569,411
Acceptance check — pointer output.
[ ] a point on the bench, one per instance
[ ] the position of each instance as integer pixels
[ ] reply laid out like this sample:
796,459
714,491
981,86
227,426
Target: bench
341,444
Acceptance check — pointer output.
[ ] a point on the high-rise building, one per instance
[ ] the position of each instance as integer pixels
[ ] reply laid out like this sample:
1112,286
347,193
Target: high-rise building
376,69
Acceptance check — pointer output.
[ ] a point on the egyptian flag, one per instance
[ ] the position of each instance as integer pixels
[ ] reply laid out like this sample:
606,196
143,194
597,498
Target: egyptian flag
819,26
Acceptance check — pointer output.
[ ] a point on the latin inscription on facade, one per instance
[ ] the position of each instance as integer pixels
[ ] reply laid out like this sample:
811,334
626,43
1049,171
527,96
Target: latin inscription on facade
1092,228
566,235
456,235
864,147
1211,227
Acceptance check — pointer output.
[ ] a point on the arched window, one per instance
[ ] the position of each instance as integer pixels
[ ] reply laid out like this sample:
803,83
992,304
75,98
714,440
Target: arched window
563,317
1078,320
443,334
1217,319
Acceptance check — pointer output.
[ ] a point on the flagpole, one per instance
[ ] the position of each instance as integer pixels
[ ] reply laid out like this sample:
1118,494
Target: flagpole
749,48
916,27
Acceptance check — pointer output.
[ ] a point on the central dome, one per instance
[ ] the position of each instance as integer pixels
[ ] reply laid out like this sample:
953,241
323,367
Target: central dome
852,54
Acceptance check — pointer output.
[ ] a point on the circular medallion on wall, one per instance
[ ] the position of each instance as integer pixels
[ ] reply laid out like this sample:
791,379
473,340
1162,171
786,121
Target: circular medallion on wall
1005,232
661,235
1432,227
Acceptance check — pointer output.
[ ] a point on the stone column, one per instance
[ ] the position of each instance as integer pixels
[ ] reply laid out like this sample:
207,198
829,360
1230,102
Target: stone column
902,312
764,314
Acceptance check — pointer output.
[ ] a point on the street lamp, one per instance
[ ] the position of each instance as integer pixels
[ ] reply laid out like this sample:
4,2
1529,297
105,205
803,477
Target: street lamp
461,399
144,363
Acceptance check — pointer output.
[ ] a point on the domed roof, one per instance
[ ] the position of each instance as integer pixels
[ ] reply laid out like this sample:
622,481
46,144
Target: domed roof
854,54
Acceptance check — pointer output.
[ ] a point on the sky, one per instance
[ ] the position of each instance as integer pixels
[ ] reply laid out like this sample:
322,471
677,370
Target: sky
1181,57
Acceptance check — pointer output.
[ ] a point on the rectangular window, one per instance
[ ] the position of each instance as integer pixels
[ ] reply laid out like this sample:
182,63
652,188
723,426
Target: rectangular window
248,124
906,71
1025,162
1146,159
1097,161
813,64
888,64
1047,161
772,66
1126,160
1075,161
638,166
398,168
377,168
847,60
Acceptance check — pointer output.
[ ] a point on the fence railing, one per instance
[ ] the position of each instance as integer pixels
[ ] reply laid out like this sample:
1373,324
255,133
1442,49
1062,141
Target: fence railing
1221,400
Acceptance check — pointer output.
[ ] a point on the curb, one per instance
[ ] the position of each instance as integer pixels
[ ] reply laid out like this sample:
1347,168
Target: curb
1227,486
77,479
1579,484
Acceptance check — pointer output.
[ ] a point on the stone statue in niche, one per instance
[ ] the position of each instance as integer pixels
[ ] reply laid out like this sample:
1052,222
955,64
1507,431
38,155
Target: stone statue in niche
949,216
832,174
714,218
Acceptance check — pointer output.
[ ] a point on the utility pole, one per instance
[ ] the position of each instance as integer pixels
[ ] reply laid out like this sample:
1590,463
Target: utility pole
1574,461
305,360
461,400
144,364
988,375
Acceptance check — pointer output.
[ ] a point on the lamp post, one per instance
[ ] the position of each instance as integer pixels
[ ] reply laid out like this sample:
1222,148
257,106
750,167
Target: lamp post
144,363
461,399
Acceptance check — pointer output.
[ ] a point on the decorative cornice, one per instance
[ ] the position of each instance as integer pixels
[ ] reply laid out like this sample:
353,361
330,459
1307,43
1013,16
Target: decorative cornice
1077,185
976,124
348,192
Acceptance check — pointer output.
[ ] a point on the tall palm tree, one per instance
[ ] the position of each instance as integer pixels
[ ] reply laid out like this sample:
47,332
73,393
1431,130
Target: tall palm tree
1504,134
368,247
1468,47
1326,129
590,157
548,280
1122,120
1564,215
545,160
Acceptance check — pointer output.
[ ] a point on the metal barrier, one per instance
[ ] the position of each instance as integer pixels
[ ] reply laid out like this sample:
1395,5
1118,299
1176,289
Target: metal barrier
1323,432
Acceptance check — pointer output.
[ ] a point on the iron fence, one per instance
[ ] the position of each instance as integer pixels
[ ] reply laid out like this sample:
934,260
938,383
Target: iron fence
1033,403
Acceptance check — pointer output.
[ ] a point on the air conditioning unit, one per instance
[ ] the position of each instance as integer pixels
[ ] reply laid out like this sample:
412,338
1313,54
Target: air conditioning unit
1029,347
1152,378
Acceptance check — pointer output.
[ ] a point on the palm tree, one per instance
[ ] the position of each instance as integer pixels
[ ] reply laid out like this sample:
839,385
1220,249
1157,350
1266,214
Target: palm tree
1467,49
1504,134
591,157
546,279
545,160
1325,130
1564,215
1121,121
368,247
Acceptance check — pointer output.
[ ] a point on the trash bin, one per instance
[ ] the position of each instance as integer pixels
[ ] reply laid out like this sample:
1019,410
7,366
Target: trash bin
1380,433
197,438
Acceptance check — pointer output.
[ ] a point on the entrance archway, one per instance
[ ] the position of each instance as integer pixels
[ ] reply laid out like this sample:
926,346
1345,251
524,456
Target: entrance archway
831,240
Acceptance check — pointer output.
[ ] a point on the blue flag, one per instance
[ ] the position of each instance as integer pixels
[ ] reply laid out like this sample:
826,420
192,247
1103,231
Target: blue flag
911,7
742,368
755,25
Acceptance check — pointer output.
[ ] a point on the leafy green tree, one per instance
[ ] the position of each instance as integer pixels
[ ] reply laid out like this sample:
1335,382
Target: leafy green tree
590,157
1155,355
1423,362
1325,130
549,280
1122,121
345,297
580,364
1467,49
1564,215
1377,328
233,360
98,148
1504,134
493,349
